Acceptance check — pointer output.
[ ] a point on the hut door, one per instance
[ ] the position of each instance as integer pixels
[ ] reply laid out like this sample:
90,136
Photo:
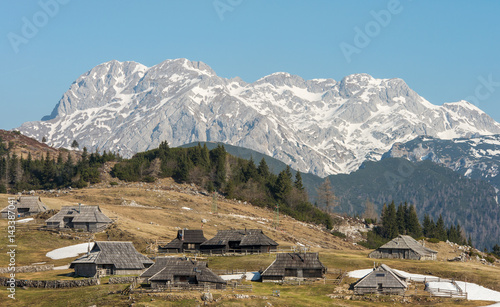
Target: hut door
380,287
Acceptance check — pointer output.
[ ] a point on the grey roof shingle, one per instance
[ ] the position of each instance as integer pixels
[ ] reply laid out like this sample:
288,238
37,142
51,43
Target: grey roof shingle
293,261
33,203
80,214
382,274
166,268
190,236
251,237
407,242
122,255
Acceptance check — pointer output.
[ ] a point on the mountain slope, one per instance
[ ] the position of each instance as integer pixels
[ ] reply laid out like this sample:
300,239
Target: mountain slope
476,158
320,126
432,188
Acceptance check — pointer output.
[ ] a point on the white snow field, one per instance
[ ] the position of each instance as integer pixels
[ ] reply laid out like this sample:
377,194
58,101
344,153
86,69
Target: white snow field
69,251
474,292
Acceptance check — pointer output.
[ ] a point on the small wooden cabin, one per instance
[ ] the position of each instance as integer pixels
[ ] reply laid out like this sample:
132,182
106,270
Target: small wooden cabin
111,258
169,271
381,280
186,241
239,241
87,218
404,247
294,265
26,206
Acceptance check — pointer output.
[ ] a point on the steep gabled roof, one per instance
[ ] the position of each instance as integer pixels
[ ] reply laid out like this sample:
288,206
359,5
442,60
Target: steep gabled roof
382,274
293,261
190,236
407,242
80,214
166,268
251,237
33,203
122,255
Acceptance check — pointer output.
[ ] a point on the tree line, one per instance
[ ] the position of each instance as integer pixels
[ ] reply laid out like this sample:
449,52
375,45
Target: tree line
51,172
404,220
236,178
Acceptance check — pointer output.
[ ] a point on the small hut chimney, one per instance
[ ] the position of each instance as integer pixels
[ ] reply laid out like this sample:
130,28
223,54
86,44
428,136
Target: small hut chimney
79,207
182,234
88,248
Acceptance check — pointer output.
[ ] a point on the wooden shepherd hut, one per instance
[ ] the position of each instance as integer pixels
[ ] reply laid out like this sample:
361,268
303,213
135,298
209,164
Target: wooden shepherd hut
26,206
111,258
168,272
294,265
381,280
239,241
404,247
186,241
87,218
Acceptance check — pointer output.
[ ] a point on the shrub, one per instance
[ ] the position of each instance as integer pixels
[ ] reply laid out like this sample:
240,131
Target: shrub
339,234
490,259
433,240
149,179
113,183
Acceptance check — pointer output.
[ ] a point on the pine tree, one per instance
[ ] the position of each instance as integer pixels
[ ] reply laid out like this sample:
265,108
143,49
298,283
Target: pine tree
428,226
75,144
263,169
44,139
389,221
469,242
298,182
413,225
283,185
401,219
440,229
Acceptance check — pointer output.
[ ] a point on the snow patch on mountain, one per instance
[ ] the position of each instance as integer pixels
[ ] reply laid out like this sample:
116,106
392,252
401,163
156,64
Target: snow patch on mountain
320,126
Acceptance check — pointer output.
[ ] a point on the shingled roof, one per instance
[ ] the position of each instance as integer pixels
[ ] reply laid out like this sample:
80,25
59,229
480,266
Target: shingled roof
190,236
407,242
293,261
166,268
81,214
382,274
33,203
251,237
122,255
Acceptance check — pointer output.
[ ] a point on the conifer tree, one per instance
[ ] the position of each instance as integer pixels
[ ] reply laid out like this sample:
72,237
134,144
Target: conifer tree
389,221
401,220
440,229
413,225
298,182
263,169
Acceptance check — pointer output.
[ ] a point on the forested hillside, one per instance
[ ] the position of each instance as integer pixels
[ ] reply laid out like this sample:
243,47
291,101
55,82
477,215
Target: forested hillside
216,170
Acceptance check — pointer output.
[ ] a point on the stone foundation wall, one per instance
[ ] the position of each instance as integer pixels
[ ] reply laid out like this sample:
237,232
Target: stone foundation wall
29,269
50,284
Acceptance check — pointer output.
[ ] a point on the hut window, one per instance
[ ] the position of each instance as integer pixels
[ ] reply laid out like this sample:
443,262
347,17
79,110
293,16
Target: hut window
191,246
380,275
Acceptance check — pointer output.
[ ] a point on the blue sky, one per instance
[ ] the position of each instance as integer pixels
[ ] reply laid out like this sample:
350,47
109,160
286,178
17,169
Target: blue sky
445,50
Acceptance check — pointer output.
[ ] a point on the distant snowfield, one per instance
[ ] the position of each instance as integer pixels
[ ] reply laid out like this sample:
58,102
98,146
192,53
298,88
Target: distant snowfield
69,251
474,292
253,276
25,220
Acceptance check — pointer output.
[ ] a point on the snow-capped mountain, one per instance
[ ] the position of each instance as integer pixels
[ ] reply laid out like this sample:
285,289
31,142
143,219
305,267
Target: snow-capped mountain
320,126
476,158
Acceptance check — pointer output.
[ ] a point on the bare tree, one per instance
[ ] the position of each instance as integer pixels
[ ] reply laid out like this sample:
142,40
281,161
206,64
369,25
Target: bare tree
326,196
370,211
